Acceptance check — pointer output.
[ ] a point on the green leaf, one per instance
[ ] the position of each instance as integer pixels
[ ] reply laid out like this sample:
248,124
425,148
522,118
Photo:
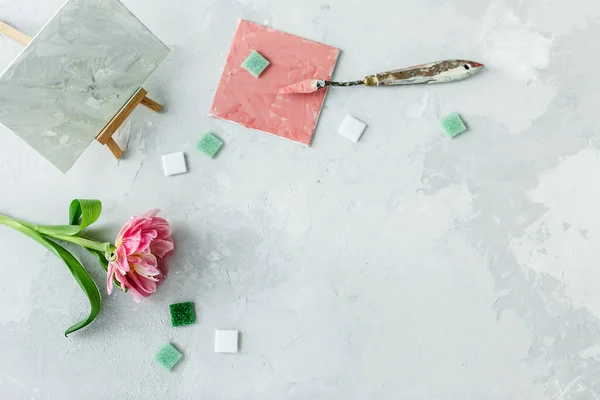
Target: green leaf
82,277
86,283
82,213
101,259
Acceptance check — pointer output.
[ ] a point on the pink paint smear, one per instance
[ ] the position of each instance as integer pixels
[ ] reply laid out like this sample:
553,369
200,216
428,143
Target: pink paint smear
306,86
256,102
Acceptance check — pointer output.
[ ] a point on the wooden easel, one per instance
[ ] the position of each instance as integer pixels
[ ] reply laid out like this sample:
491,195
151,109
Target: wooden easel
106,136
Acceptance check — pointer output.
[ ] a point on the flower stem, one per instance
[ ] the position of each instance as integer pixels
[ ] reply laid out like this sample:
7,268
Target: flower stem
11,222
105,248
83,242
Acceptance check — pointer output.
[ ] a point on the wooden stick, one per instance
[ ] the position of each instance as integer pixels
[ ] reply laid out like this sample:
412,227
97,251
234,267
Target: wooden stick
151,104
114,148
14,34
121,116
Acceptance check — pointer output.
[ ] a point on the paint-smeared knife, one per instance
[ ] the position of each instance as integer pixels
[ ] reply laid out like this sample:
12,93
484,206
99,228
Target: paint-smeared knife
435,72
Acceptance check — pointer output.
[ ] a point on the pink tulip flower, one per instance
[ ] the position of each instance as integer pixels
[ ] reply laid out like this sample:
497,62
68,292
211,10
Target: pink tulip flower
139,263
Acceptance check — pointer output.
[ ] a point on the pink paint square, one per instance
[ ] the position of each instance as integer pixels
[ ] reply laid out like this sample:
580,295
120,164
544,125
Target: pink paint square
255,102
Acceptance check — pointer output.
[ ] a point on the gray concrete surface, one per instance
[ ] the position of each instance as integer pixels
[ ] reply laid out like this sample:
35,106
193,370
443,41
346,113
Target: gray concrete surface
407,266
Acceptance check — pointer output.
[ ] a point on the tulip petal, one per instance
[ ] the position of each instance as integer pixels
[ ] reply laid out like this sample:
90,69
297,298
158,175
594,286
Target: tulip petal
162,247
143,285
146,238
163,267
109,278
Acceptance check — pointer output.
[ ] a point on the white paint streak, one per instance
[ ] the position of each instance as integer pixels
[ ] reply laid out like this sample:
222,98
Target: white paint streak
418,109
591,352
511,104
565,241
512,45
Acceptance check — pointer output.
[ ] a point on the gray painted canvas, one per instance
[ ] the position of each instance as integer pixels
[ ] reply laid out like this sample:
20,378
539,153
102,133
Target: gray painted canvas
75,75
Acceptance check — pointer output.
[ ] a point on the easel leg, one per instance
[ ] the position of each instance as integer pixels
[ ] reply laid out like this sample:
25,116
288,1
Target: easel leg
105,137
14,34
151,104
114,148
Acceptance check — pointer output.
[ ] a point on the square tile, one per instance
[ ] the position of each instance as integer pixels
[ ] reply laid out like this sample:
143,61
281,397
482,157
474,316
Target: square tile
226,341
352,128
256,103
174,164
182,314
209,144
75,76
168,356
255,63
453,125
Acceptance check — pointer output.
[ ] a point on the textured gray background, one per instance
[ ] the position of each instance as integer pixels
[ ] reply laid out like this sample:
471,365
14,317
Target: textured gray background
405,266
